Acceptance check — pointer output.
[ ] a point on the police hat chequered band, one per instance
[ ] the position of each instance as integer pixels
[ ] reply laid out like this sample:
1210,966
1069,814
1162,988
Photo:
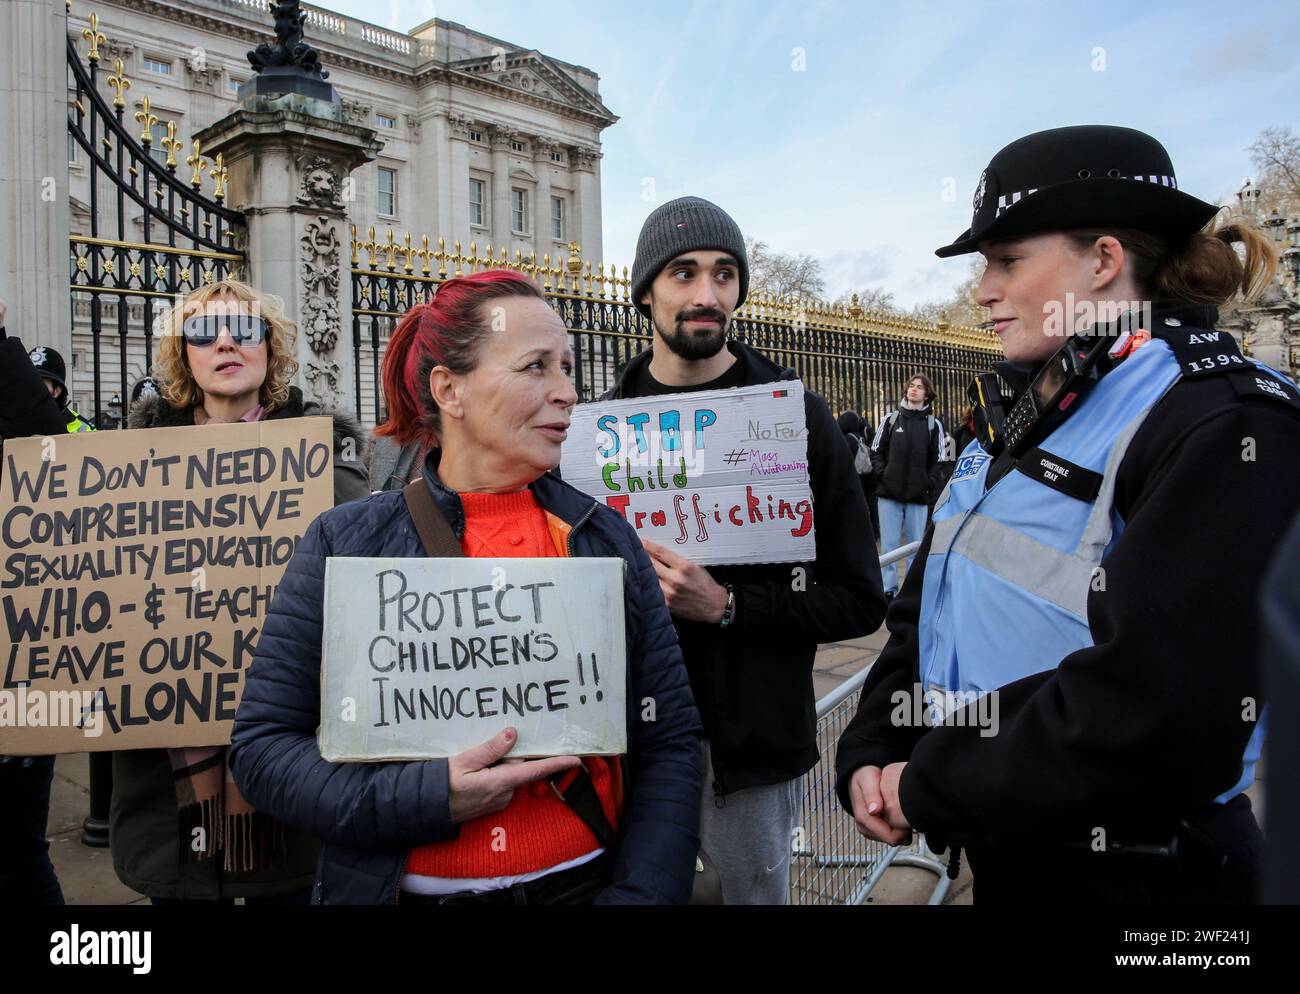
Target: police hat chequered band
1007,200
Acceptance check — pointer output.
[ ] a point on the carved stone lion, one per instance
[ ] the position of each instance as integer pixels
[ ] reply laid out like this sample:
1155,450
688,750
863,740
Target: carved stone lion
319,185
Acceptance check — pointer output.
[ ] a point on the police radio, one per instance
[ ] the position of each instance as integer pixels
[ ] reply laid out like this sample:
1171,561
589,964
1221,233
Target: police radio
1062,382
1058,387
990,397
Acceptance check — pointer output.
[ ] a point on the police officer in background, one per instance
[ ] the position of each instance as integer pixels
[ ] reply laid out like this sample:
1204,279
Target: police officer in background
1080,625
54,372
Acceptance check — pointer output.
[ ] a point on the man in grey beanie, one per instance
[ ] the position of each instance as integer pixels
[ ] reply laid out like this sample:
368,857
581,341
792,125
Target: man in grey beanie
749,633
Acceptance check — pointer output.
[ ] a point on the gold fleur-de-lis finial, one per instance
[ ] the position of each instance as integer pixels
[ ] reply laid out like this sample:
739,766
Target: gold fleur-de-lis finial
196,162
92,34
172,144
146,120
119,82
221,174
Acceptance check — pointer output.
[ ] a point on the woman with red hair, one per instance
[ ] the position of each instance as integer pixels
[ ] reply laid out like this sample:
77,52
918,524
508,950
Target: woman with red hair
481,376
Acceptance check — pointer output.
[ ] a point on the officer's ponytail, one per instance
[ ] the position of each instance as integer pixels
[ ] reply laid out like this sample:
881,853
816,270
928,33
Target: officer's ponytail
1204,268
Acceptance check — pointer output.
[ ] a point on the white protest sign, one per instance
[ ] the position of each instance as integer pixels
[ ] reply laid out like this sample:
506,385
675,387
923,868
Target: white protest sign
721,476
424,658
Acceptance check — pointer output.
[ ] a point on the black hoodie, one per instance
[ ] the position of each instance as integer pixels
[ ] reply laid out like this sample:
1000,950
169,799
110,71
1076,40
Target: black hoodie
753,680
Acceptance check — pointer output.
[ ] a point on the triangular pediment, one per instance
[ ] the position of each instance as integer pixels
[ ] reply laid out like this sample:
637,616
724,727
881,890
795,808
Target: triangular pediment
534,74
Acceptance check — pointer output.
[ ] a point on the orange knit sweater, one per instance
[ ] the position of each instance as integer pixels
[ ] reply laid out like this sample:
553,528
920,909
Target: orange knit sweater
536,830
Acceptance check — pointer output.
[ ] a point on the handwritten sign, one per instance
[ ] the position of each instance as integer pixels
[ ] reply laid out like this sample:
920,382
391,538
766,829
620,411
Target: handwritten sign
135,570
721,476
424,658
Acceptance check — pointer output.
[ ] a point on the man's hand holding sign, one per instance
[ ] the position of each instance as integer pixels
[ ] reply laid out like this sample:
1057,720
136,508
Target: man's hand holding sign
690,592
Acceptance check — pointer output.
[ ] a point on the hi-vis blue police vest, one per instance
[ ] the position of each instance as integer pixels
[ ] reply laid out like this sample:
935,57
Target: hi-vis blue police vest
1010,567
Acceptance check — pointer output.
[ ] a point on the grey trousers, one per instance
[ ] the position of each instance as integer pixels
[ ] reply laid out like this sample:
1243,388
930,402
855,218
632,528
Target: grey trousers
748,835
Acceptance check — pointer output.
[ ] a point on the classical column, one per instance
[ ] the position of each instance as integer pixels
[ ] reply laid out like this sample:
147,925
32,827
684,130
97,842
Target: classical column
34,216
586,164
288,158
439,148
542,149
501,139
458,126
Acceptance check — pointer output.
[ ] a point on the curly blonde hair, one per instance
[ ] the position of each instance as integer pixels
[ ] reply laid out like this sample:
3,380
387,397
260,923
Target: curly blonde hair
171,368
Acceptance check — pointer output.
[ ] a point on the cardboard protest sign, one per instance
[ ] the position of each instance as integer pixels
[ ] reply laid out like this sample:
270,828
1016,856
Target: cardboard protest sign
720,476
135,570
424,658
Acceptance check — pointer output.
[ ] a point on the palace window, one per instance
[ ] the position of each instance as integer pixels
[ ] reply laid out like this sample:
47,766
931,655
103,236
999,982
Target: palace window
557,218
384,121
519,212
476,136
518,147
157,150
162,67
477,200
387,205
557,156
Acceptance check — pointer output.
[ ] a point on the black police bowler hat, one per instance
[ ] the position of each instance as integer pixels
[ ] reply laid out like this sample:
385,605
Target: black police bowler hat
49,364
1080,177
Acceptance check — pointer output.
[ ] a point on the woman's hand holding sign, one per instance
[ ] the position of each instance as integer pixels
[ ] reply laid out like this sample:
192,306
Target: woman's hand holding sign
690,592
478,787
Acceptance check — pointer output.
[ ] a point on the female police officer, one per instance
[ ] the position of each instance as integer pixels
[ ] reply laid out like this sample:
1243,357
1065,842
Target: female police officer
1080,624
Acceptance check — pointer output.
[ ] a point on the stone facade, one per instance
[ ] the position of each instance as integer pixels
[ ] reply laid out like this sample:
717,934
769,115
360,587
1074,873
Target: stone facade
478,138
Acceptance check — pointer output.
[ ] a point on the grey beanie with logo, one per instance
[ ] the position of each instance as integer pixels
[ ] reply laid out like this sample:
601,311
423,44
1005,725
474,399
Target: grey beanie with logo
686,224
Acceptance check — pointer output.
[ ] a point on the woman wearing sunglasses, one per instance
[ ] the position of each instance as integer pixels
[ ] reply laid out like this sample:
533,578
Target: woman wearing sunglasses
226,354
1079,634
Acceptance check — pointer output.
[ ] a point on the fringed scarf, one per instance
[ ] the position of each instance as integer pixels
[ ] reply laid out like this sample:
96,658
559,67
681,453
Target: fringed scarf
213,817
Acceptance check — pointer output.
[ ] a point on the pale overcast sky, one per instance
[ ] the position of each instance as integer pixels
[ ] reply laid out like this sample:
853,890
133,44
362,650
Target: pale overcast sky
850,157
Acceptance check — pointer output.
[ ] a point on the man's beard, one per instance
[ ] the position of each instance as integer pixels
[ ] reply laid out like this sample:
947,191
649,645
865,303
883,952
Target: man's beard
699,344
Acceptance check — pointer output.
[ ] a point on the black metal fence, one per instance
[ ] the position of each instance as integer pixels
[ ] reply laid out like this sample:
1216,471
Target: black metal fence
148,235
856,360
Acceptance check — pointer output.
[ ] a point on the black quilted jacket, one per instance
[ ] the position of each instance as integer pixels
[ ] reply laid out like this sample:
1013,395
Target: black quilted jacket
370,815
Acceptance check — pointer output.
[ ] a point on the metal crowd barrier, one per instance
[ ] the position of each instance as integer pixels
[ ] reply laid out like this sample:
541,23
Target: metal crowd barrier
832,862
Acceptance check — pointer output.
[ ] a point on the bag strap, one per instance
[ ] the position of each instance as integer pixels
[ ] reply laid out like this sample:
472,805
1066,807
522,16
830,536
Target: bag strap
440,542
583,801
432,527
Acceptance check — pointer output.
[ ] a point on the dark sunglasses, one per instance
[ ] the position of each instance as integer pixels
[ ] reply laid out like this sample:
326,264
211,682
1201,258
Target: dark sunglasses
203,329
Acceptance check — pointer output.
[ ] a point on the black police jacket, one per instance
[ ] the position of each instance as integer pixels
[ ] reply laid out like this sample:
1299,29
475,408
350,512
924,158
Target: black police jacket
753,680
1206,491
